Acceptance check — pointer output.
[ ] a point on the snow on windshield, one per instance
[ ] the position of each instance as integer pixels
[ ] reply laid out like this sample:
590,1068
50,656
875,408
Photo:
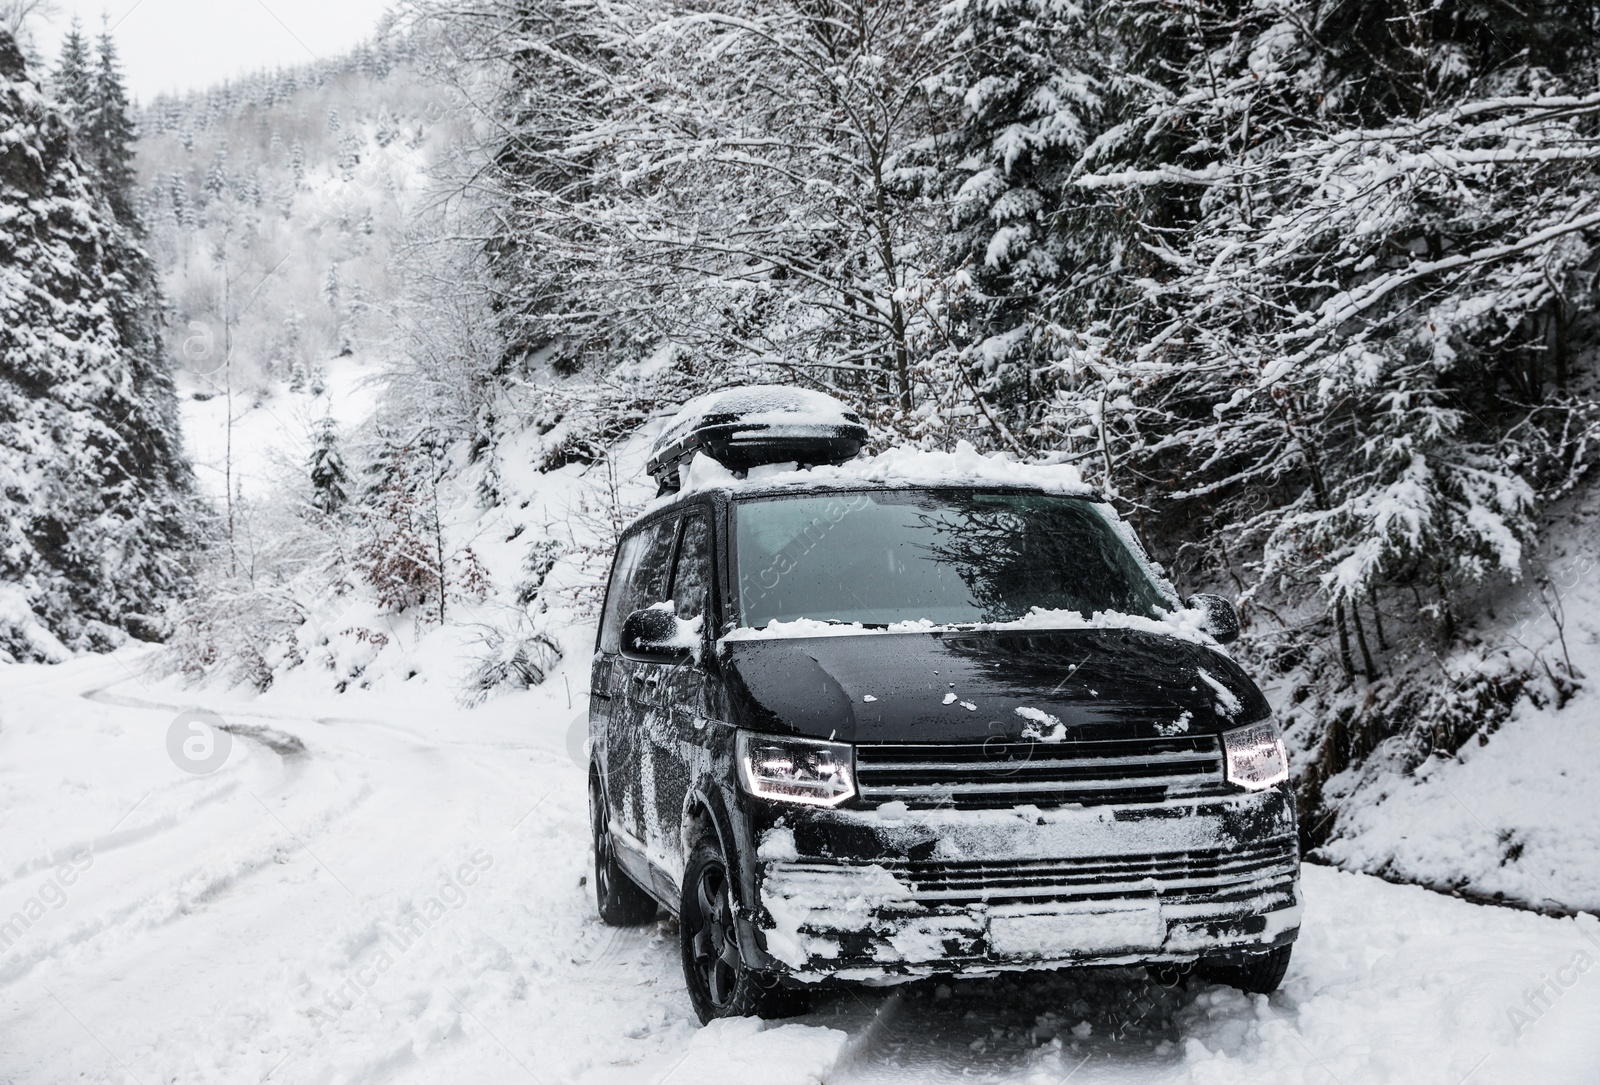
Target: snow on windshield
1186,624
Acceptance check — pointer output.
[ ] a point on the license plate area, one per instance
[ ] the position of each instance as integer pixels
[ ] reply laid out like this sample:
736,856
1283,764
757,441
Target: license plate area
1062,932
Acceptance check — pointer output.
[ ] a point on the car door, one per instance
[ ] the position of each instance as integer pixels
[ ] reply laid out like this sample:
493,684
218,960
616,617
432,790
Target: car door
632,686
607,692
678,736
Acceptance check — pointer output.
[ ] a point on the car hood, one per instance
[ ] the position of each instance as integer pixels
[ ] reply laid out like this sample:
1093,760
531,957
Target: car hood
970,686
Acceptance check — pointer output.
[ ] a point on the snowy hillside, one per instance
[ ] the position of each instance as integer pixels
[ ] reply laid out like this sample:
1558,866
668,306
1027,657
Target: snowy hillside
278,210
1513,816
276,207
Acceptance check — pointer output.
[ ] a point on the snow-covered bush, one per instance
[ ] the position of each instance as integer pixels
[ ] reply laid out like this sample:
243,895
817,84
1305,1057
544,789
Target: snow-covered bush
510,660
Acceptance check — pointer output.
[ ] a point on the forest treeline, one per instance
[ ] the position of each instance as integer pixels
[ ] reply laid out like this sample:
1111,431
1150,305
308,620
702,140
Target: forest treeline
1309,288
99,519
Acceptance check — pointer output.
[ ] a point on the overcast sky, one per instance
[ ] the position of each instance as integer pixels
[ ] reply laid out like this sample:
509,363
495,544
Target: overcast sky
171,45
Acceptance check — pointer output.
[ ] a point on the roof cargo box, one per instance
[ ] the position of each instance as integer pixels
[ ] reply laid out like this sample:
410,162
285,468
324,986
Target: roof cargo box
756,425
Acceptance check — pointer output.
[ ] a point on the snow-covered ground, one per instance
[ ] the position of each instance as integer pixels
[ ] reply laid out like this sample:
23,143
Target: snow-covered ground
1516,815
405,901
272,435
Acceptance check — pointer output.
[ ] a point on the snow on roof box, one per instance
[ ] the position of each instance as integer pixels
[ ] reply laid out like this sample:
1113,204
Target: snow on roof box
755,425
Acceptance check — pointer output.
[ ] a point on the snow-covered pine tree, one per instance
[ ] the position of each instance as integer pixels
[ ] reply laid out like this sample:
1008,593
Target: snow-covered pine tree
72,82
1031,77
109,132
330,479
178,195
89,86
217,175
99,513
351,145
1295,249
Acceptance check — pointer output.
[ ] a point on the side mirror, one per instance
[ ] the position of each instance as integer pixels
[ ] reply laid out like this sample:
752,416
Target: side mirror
655,635
1222,620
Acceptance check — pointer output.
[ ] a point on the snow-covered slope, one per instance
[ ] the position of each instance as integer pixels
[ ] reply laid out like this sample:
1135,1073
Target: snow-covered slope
1515,815
275,207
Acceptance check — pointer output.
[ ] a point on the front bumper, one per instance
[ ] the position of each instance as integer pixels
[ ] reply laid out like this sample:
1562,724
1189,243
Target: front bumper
896,893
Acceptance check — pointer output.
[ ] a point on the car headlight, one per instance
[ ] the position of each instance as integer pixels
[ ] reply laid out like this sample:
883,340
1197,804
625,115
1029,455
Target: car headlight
796,770
1256,759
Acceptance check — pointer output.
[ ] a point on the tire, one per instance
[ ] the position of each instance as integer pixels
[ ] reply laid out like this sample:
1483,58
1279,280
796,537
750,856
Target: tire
1256,974
618,898
720,983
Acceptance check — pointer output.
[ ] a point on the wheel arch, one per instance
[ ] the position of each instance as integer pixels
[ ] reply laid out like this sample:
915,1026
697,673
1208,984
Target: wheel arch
702,813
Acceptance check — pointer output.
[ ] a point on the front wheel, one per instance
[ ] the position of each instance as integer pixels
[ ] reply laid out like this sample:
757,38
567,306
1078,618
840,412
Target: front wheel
1255,973
720,983
620,901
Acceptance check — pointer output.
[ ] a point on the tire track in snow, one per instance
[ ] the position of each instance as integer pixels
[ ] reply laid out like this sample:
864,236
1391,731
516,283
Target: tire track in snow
186,815
103,695
116,840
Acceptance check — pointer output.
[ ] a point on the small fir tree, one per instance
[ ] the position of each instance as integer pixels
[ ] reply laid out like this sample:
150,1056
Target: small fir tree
330,480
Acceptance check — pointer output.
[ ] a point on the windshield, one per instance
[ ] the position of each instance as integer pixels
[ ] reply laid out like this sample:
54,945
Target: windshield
950,557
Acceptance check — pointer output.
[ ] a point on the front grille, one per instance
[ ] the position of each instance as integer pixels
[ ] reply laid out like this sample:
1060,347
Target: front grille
1212,876
1003,773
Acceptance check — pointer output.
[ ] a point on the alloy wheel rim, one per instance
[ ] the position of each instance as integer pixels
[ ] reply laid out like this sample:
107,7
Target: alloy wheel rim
714,944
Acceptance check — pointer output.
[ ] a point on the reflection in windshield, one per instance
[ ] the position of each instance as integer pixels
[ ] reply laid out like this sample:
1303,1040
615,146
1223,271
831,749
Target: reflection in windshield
950,557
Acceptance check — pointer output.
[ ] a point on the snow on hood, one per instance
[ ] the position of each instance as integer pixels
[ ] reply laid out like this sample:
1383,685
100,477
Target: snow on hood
1186,624
1228,704
965,466
1042,726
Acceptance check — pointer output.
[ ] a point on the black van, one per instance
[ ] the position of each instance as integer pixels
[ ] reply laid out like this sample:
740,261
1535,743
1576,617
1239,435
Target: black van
917,715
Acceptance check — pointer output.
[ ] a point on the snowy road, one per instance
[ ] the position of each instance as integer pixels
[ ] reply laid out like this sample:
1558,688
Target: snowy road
403,902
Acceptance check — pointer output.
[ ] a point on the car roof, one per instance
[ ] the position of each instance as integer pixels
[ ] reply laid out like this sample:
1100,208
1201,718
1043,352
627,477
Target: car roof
961,468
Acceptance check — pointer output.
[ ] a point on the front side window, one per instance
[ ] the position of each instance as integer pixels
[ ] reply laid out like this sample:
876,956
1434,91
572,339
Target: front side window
951,557
691,578
639,579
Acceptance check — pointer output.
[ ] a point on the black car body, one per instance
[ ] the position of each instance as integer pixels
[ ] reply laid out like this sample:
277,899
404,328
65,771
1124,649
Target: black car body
1026,793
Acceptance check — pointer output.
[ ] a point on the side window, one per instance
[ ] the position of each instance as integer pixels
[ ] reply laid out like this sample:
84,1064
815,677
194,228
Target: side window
691,577
640,579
